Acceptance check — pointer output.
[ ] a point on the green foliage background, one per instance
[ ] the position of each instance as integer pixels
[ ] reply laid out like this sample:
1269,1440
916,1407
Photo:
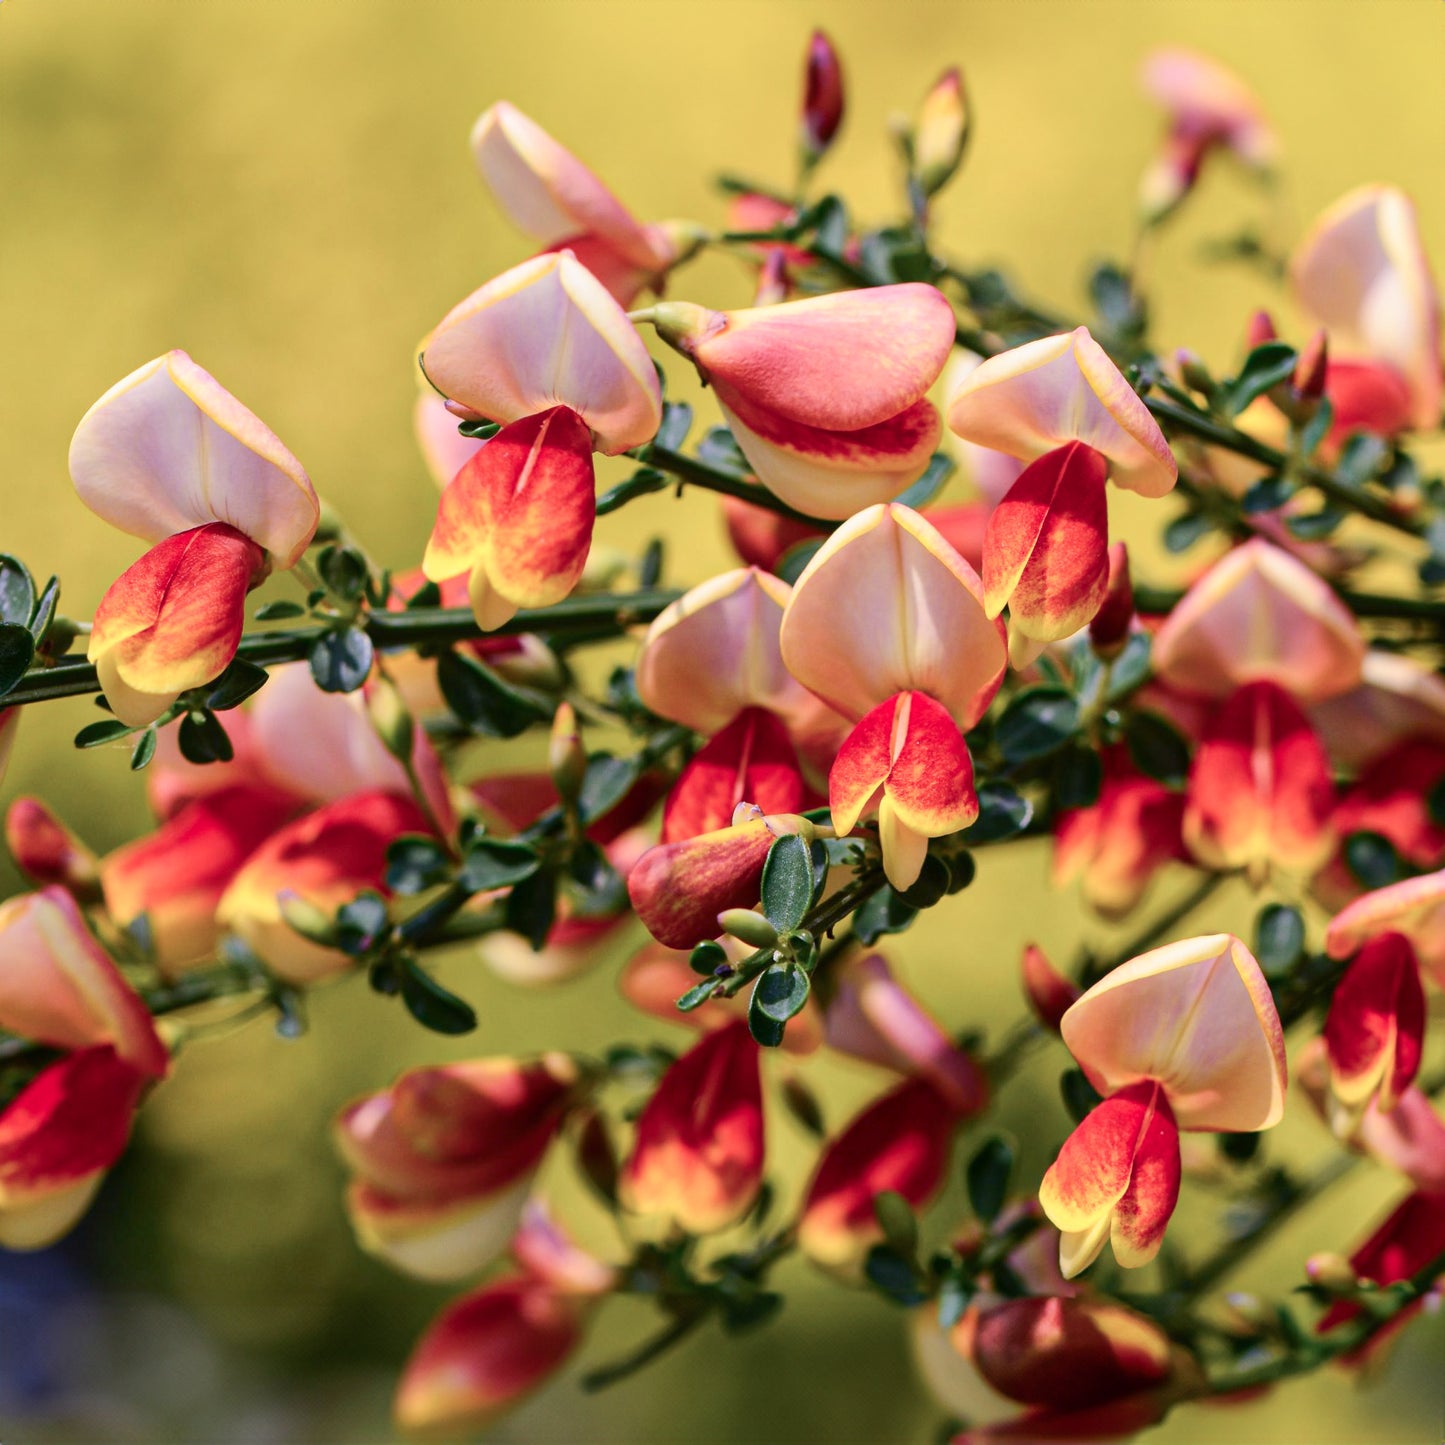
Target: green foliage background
284,190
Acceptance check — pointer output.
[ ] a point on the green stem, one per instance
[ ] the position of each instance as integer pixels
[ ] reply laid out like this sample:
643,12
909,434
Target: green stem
645,1354
419,627
726,483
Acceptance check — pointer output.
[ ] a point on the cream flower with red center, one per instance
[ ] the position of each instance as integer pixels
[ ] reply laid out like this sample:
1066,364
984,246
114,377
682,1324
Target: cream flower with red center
544,350
827,397
1184,1037
170,456
887,625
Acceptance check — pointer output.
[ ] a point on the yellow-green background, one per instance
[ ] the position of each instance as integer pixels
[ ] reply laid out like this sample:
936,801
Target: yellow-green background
283,188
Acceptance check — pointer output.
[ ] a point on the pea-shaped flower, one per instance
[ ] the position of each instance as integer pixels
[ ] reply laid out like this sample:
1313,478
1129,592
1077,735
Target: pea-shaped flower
170,456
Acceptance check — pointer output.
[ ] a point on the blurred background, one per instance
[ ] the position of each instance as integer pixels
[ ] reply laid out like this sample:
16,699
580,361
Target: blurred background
285,191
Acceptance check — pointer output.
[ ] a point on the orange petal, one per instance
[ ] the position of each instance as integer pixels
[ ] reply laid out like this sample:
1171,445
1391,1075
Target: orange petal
169,449
521,512
1046,549
1260,615
173,620
1198,1017
698,1160
1260,791
1062,389
887,606
545,334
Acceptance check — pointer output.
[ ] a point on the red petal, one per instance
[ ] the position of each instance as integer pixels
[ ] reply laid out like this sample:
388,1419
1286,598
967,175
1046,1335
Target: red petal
751,760
1376,1023
930,781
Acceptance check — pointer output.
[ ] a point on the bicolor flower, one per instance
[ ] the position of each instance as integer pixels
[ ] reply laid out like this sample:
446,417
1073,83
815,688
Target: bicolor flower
1414,907
1361,273
1209,108
1117,845
1062,406
871,1016
70,1123
1260,794
489,1350
550,196
697,1163
1184,1037
899,1142
544,350
46,851
711,661
887,625
941,135
827,397
170,456
322,860
1260,615
444,1158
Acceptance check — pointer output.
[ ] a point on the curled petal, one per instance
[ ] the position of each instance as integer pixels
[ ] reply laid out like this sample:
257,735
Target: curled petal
1362,274
59,987
887,606
520,513
173,620
832,474
548,193
698,1160
169,449
840,362
1260,793
1198,1017
1062,389
715,651
57,1139
484,1354
1260,615
1376,1025
900,1142
545,334
752,761
1045,554
1116,1179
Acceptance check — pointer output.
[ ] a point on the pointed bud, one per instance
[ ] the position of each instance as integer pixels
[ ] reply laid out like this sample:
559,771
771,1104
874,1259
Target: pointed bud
1333,1271
46,851
942,133
1050,994
749,926
1308,382
1260,330
823,100
1112,623
566,757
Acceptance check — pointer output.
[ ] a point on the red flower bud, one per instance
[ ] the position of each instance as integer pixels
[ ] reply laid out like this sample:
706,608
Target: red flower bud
822,98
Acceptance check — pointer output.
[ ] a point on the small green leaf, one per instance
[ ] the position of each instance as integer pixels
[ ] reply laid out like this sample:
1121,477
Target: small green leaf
1003,812
1315,526
17,652
144,750
1279,938
1317,428
1131,667
531,907
240,680
697,995
895,1276
793,562
44,613
1268,494
718,449
361,923
605,783
483,701
988,1177
433,1006
415,863
1360,458
97,734
673,429
1239,1148
939,469
707,958
787,889
341,660
933,883
1157,749
427,595
642,483
1266,366
1079,1095
1184,531
497,863
781,991
479,430
1078,778
202,739
280,610
17,591
898,1222
344,571
1372,858
1037,722
884,912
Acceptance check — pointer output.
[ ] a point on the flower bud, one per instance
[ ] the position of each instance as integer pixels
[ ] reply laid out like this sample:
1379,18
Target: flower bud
822,98
46,851
942,133
1332,1271
1110,628
1050,994
1308,382
749,926
566,757
1260,330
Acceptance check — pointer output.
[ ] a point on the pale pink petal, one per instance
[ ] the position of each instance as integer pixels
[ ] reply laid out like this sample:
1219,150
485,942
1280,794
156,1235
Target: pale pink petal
169,448
1397,698
444,449
1207,102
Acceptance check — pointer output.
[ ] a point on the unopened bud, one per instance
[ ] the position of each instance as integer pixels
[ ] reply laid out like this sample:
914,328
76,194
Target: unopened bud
1109,629
1193,372
682,324
1332,1271
308,920
1259,330
942,132
772,279
748,925
1050,994
822,98
1247,1315
390,718
47,852
566,757
1308,382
